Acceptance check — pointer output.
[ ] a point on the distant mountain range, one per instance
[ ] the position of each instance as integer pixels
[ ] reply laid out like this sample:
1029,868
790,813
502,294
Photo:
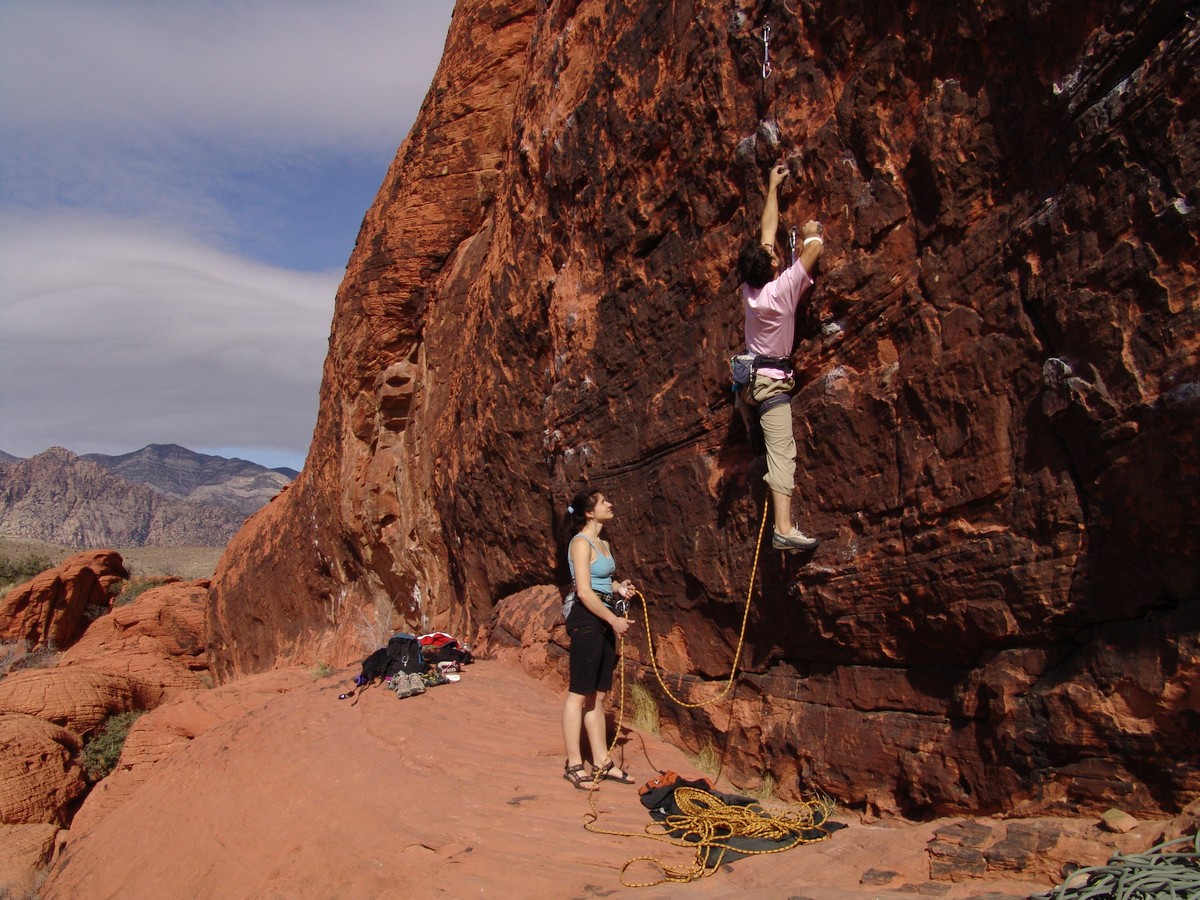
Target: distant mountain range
162,495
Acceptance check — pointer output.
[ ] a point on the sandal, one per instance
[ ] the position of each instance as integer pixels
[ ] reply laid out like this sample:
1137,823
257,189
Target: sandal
606,771
574,774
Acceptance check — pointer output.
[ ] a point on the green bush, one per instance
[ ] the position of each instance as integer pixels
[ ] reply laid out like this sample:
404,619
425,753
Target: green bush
135,587
16,571
100,754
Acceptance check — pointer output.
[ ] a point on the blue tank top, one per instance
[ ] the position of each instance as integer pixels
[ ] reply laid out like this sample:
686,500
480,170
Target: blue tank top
602,570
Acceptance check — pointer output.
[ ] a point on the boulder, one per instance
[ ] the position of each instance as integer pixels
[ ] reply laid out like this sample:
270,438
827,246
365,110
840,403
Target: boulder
39,773
78,698
157,640
529,630
23,850
49,609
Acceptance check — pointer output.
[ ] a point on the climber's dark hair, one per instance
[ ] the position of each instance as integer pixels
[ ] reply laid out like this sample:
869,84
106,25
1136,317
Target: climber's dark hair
755,266
581,504
574,520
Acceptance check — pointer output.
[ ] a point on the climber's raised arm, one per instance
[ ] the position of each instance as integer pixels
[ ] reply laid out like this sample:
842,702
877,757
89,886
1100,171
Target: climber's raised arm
769,224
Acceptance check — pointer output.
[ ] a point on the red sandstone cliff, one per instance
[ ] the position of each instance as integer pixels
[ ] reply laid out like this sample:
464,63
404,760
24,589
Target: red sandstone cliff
997,416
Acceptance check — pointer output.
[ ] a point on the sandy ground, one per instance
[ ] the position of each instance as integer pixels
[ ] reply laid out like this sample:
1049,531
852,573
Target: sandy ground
454,793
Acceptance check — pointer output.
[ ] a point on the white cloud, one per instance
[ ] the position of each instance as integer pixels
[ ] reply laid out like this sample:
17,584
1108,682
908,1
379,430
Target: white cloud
116,331
344,74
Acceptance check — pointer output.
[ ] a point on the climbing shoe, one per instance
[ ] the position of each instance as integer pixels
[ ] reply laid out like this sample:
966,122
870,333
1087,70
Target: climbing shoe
793,540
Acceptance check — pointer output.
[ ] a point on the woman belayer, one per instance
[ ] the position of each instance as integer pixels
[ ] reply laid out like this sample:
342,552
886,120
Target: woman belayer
594,619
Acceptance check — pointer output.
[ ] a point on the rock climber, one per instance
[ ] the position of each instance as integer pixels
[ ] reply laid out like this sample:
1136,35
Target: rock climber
771,295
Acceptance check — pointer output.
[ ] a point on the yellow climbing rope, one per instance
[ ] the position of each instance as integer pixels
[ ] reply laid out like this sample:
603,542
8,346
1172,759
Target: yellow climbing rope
741,634
707,824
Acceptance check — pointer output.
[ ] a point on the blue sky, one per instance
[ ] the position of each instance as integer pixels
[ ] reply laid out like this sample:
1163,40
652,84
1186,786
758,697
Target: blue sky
181,185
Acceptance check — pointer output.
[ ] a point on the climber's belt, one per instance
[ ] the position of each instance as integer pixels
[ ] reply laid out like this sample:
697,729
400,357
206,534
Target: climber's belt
744,366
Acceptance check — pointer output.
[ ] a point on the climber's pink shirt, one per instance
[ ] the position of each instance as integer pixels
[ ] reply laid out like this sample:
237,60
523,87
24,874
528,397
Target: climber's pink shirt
771,315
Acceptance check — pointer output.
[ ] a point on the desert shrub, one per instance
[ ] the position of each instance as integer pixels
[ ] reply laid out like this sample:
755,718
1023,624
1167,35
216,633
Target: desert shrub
92,612
135,587
45,657
374,628
321,670
17,571
10,653
766,788
100,754
645,710
708,760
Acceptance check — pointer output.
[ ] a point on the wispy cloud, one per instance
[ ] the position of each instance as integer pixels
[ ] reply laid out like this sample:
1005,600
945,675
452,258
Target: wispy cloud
180,185
118,335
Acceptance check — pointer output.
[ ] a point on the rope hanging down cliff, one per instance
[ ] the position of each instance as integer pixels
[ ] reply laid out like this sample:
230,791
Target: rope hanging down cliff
737,656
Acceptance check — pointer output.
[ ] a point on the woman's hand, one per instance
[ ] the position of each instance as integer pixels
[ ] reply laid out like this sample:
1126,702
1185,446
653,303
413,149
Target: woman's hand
624,589
620,625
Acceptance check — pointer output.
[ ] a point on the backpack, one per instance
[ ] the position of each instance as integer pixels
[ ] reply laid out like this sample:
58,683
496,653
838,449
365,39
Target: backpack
403,655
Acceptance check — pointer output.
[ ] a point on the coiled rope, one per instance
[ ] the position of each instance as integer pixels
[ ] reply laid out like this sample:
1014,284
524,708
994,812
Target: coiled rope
707,824
1156,874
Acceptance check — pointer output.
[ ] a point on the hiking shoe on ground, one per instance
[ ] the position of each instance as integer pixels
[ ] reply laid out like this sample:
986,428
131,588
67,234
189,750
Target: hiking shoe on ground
793,540
416,684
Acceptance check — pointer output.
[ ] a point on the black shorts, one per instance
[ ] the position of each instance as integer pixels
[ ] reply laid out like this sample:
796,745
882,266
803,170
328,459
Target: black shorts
593,659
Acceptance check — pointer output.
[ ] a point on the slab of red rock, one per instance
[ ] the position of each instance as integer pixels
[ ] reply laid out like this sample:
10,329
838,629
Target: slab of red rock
49,608
23,850
157,641
171,727
39,774
454,792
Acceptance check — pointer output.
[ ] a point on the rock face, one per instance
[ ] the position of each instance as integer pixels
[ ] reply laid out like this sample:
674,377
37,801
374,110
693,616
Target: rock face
49,609
58,497
996,417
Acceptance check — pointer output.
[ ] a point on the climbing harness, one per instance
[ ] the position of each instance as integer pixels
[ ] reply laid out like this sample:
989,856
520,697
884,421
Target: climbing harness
1158,872
744,366
766,39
